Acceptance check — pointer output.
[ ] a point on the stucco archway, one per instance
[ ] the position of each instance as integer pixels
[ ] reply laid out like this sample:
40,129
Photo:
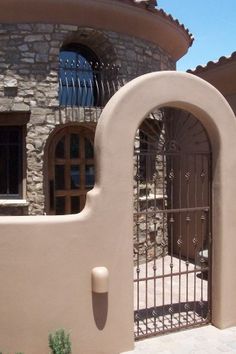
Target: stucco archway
34,249
115,134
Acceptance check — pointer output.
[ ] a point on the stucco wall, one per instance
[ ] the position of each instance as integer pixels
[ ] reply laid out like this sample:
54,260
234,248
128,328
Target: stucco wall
29,82
111,15
231,98
46,262
221,74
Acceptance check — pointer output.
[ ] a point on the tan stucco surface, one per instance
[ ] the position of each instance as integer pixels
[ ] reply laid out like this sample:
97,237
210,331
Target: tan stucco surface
46,262
102,14
222,75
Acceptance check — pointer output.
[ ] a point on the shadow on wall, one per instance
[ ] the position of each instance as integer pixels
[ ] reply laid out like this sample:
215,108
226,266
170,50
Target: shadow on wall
100,309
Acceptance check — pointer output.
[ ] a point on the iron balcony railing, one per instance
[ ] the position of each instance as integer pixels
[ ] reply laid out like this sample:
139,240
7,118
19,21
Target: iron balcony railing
88,85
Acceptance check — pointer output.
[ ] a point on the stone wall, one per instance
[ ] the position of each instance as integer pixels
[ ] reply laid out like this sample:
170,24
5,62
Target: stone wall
150,233
29,83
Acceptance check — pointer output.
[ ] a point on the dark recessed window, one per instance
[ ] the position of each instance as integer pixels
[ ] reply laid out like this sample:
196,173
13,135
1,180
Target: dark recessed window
10,162
78,76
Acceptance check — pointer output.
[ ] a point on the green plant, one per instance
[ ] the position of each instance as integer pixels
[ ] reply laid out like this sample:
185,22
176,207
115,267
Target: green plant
59,342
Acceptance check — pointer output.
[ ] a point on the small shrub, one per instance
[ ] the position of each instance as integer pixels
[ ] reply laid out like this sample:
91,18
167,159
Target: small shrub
59,342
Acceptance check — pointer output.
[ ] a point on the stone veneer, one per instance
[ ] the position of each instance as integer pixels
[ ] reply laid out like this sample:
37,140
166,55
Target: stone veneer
29,83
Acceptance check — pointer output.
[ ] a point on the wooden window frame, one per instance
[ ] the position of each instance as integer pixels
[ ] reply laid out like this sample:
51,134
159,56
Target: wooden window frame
67,162
17,120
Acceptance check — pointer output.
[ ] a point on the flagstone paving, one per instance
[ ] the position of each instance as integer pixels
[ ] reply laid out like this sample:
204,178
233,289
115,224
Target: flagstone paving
203,340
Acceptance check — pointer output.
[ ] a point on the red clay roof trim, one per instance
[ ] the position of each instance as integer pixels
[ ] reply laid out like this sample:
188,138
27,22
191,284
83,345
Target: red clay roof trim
212,64
174,20
149,6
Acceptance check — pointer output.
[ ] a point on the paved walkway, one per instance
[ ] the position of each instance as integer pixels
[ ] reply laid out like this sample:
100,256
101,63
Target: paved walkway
204,340
169,291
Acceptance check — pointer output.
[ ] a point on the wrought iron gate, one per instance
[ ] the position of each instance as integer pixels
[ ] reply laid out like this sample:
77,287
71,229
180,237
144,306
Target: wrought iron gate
172,223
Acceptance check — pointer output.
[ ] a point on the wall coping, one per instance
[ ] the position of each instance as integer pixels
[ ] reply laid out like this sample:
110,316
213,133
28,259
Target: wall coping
13,203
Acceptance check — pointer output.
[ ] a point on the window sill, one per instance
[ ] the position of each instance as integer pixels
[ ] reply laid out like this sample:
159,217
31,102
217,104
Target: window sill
152,197
13,203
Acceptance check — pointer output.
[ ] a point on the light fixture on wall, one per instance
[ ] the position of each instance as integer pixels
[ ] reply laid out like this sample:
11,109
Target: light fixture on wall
100,280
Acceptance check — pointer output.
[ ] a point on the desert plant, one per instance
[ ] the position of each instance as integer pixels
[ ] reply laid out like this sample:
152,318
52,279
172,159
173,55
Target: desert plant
59,342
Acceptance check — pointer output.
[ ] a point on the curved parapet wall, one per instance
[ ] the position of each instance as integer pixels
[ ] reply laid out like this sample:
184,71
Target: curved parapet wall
154,26
46,262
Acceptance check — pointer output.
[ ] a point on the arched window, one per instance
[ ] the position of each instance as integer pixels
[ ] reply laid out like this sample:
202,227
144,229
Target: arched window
71,169
78,76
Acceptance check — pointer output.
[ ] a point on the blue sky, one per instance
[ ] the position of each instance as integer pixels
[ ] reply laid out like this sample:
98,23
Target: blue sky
213,24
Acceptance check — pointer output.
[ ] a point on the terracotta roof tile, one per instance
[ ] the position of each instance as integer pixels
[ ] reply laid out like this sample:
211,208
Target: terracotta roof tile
151,5
212,64
176,21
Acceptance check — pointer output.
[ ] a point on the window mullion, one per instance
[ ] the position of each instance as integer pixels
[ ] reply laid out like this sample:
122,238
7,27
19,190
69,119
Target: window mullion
8,160
82,164
67,171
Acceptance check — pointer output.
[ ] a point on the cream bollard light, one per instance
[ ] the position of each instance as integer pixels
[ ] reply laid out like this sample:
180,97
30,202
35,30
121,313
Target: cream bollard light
100,280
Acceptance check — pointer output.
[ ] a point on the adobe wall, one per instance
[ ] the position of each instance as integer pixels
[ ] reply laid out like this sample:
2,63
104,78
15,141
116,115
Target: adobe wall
221,75
231,98
29,83
46,261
